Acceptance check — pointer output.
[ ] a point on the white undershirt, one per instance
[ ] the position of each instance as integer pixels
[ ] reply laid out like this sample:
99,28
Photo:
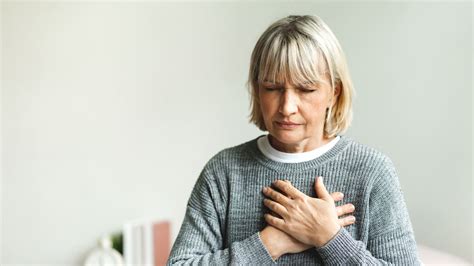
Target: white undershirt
284,157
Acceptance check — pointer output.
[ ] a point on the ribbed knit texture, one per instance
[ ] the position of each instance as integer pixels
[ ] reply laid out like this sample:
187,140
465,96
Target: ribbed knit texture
225,211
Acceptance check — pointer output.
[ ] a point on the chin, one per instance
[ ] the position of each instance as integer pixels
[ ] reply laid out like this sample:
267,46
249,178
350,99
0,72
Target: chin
286,137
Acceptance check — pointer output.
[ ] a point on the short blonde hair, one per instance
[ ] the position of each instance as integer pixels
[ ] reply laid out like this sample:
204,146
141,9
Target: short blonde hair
301,49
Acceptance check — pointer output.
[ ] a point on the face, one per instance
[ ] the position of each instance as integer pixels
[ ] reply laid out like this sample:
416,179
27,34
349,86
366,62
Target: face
294,114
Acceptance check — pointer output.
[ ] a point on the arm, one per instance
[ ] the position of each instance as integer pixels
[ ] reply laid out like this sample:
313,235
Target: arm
391,238
278,243
201,238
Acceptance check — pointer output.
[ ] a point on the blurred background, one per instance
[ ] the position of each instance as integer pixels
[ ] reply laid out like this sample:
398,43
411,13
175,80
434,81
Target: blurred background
110,111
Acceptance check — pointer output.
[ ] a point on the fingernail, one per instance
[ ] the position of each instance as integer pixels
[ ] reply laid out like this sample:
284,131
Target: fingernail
352,208
265,189
321,179
352,219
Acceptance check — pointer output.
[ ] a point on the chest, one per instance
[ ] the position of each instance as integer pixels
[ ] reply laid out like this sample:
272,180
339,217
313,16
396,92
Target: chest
245,210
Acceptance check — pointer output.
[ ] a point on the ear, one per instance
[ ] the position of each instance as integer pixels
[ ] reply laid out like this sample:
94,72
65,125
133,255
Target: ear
338,89
337,92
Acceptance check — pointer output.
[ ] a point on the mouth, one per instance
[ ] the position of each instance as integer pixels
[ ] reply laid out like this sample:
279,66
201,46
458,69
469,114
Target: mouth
287,125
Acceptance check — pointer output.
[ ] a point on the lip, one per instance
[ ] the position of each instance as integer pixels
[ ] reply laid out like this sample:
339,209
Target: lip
287,125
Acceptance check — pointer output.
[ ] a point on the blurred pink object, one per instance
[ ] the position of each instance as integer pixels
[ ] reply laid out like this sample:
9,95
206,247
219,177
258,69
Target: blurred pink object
161,241
431,256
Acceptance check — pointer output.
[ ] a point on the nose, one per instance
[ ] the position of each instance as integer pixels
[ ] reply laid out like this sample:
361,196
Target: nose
288,103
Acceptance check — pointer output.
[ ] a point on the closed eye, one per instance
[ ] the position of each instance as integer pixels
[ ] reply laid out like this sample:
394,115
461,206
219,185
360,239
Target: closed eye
269,89
307,90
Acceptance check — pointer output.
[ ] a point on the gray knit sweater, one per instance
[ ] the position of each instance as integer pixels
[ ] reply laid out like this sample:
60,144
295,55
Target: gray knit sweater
225,211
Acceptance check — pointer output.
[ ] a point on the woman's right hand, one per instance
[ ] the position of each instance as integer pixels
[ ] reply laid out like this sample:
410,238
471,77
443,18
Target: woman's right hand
279,243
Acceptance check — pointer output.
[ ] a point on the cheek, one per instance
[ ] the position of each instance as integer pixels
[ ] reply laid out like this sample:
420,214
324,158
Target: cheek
314,112
267,112
267,106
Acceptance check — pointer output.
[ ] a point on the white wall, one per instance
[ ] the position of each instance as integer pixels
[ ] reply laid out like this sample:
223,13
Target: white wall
109,111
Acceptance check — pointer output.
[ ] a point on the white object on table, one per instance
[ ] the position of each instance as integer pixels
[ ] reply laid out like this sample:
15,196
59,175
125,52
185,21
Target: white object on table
104,255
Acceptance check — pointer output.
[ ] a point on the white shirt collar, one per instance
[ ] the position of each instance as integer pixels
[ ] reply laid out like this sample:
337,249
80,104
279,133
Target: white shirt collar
284,157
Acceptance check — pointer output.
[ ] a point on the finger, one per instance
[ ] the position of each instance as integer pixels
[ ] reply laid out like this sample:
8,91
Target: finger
320,189
348,220
276,196
276,208
274,221
337,196
345,209
275,214
287,188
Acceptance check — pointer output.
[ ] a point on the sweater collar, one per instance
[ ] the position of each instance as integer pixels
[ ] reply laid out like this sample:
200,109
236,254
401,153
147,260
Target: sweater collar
254,150
270,152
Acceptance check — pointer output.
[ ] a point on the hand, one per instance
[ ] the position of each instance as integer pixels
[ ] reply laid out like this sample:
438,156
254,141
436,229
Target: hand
311,221
278,242
340,210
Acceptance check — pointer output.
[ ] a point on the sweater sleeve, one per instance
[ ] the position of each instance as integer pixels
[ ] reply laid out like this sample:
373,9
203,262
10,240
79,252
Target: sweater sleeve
200,240
391,239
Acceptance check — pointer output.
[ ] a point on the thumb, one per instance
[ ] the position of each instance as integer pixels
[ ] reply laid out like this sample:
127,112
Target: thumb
320,189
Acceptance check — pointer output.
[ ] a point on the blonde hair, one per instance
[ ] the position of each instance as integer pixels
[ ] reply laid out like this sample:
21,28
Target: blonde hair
301,49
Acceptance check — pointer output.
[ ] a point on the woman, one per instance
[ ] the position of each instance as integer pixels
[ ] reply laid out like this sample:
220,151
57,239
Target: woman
266,201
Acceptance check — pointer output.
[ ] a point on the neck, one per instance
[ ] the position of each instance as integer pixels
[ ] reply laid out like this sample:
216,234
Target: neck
302,146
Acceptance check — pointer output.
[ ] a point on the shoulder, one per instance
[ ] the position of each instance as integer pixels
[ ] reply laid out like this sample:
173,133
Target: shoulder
232,157
214,178
227,161
365,153
362,156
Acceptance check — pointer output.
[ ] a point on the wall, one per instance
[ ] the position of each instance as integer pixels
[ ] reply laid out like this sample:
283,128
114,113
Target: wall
110,111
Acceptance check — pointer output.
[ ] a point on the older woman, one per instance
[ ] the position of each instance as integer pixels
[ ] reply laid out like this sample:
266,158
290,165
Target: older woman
267,200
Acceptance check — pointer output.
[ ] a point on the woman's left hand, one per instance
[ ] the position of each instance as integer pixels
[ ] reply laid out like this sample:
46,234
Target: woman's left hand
312,221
